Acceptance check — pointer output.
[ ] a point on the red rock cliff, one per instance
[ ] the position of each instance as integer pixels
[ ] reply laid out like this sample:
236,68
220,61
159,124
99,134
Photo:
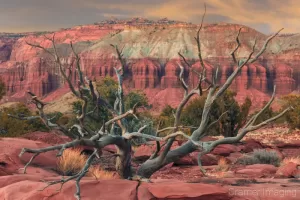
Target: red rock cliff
152,59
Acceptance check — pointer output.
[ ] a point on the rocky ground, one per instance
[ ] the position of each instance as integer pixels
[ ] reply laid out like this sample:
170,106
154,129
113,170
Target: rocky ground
225,179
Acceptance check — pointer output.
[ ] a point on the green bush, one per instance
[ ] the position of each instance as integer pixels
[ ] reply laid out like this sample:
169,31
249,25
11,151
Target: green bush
108,88
93,121
135,124
293,116
135,97
260,156
12,127
61,119
267,114
166,117
231,121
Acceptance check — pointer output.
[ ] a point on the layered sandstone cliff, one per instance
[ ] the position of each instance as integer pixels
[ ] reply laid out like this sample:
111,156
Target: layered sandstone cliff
152,58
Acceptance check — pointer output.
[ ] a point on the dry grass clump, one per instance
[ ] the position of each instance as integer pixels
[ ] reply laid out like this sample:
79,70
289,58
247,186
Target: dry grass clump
222,165
99,173
72,162
295,160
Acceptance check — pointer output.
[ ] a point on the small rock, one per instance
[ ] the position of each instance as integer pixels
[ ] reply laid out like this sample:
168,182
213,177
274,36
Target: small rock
225,149
258,170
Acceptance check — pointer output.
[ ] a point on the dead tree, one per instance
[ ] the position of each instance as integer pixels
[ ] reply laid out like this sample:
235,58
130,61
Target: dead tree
85,90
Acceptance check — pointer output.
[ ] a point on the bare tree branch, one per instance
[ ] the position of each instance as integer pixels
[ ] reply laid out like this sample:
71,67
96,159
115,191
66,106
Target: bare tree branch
188,95
214,122
78,65
197,38
154,138
263,49
120,117
183,83
238,44
254,118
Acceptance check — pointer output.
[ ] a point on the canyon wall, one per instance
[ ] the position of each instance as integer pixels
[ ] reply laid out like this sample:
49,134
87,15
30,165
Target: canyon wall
152,59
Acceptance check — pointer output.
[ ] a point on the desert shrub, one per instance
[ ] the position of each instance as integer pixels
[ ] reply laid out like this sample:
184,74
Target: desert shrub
144,117
260,156
293,116
231,121
236,114
166,117
108,88
135,97
55,116
62,119
267,114
95,120
135,124
12,127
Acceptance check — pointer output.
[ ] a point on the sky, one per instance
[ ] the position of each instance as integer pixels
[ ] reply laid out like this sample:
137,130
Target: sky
266,16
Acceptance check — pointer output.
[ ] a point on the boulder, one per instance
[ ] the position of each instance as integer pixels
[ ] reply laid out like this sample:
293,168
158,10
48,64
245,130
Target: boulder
143,152
208,160
10,149
186,160
257,170
182,190
192,159
233,157
249,145
225,149
22,187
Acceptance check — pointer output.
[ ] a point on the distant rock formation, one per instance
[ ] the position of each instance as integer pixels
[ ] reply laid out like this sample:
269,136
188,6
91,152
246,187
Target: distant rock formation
151,51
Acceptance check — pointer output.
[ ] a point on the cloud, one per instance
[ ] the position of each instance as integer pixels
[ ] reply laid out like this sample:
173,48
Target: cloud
264,15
